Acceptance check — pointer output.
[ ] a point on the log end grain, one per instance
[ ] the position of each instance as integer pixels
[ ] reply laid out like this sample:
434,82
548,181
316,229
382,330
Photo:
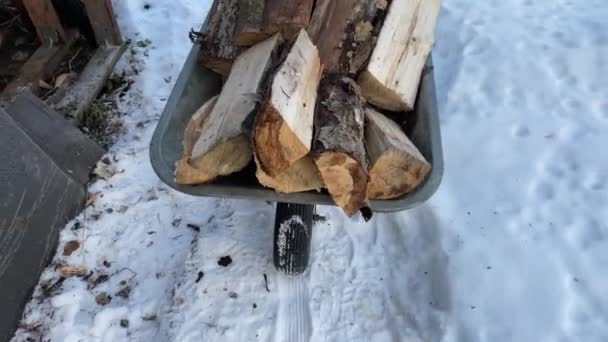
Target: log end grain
231,156
277,147
247,38
346,180
395,174
303,175
396,165
380,95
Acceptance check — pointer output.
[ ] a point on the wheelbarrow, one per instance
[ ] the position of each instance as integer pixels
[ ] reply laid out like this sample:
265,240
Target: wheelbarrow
294,212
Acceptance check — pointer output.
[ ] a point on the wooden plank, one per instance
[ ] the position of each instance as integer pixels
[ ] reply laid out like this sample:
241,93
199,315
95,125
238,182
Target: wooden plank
223,146
338,146
44,17
38,67
37,199
396,165
392,76
216,38
69,148
250,18
287,17
74,97
283,128
103,22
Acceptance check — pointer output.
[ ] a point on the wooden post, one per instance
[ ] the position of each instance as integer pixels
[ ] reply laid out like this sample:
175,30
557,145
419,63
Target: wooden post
103,22
45,19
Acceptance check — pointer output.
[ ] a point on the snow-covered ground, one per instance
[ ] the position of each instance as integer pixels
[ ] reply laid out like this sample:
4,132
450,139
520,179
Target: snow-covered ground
513,246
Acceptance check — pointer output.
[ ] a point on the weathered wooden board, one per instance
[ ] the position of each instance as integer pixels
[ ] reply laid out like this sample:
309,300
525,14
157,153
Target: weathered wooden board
44,17
36,200
101,17
38,67
74,97
65,144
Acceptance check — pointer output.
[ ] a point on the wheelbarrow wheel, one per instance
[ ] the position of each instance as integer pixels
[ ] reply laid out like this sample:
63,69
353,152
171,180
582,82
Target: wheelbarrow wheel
292,234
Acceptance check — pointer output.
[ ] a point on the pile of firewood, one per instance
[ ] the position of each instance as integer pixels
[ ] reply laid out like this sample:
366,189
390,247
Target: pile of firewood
306,84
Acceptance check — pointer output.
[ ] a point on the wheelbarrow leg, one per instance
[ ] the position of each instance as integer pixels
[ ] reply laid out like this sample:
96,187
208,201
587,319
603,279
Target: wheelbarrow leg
292,234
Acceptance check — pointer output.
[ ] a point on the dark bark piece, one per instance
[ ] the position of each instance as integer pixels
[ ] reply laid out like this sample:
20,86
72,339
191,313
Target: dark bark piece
345,32
287,17
338,148
216,38
250,19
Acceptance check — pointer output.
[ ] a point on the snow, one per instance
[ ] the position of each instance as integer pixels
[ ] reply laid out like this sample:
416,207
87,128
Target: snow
512,247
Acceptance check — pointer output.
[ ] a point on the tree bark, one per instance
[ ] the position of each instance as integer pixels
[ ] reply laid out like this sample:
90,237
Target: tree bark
338,146
249,23
216,38
396,165
345,32
287,17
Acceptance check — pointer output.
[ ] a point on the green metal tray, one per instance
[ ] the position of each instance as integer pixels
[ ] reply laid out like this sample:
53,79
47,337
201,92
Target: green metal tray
195,85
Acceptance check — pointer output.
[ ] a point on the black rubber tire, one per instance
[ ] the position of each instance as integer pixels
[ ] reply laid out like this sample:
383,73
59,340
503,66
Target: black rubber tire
292,233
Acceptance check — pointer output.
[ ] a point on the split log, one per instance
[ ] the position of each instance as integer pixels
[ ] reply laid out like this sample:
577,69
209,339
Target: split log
396,165
303,175
249,23
287,17
338,146
184,172
216,38
392,76
223,146
284,126
345,32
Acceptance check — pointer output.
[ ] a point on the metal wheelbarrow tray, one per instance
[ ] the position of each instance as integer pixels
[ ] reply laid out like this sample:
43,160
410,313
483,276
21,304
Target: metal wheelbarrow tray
195,85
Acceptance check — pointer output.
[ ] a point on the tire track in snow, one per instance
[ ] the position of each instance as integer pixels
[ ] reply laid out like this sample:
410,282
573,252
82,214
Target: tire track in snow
293,317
